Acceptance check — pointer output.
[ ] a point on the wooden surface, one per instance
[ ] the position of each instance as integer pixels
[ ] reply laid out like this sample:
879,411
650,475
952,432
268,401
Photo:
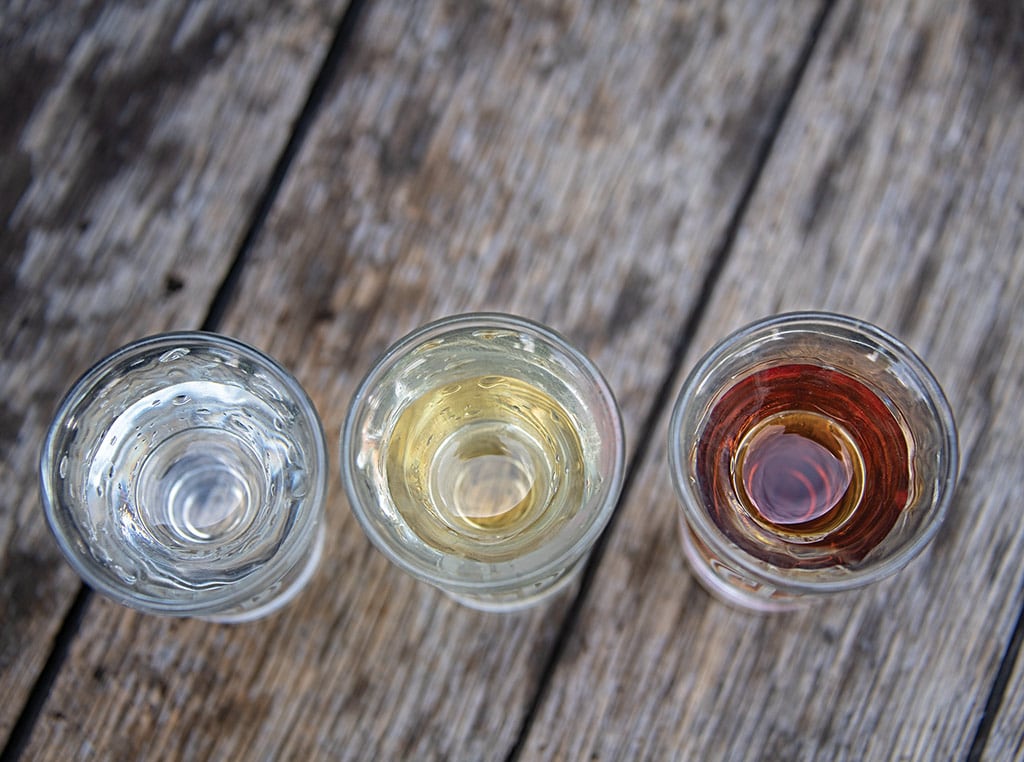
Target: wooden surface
136,145
317,180
904,222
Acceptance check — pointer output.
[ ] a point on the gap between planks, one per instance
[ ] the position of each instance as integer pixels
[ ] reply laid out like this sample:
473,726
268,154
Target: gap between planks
23,727
998,691
329,70
662,399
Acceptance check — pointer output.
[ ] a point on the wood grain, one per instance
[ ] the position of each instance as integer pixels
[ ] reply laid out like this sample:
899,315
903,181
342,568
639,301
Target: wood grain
1006,736
134,145
576,164
893,194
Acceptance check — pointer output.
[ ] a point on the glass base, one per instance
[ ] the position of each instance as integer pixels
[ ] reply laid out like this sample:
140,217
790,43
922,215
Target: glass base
728,586
523,598
290,589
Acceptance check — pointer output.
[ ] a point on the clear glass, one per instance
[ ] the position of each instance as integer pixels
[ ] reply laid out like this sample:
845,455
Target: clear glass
484,455
813,453
185,474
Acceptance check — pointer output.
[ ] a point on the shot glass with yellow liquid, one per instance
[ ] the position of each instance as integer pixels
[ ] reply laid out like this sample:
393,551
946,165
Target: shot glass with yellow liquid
484,455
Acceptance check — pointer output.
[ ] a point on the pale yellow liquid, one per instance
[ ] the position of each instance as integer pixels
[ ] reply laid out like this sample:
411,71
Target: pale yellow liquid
485,468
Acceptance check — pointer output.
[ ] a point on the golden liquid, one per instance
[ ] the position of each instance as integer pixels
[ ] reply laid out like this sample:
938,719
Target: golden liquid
485,467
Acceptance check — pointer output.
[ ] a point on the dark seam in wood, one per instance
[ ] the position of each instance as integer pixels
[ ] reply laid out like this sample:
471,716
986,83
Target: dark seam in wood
21,732
324,79
998,690
663,396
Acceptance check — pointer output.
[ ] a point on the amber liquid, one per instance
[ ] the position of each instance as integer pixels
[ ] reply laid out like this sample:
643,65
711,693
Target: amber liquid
803,466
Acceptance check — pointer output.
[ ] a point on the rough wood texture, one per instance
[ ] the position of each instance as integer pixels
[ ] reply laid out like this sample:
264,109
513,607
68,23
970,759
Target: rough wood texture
575,164
579,165
135,142
893,193
1006,739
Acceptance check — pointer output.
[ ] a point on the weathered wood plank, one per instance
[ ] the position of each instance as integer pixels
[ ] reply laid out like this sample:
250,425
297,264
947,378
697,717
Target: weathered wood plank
575,164
1006,736
135,142
893,193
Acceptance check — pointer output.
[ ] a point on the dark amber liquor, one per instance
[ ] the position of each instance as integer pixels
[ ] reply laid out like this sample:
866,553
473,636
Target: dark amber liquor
804,466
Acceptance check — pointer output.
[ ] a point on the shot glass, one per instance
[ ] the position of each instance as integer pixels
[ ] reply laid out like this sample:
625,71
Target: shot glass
484,455
185,474
813,453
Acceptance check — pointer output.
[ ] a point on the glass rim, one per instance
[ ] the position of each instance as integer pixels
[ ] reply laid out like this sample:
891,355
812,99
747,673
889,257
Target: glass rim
604,500
812,321
227,596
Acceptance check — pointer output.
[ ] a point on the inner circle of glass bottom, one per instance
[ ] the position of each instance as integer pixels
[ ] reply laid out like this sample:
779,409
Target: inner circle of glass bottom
799,474
485,468
489,475
200,486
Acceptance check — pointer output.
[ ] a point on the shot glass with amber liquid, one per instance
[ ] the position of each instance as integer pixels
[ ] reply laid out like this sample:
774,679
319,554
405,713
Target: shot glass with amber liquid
813,453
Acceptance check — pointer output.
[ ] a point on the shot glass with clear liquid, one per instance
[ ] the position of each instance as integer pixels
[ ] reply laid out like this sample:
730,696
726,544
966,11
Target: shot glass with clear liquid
484,455
185,474
813,453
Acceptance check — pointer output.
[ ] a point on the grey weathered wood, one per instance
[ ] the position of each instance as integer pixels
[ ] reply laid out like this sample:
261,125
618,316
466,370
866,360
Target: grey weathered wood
1006,736
893,193
574,164
134,144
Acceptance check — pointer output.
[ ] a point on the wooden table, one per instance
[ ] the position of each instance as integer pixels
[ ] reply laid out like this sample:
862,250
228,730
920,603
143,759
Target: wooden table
319,177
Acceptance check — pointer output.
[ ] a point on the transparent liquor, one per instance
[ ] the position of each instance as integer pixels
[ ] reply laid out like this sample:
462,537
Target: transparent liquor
187,470
185,475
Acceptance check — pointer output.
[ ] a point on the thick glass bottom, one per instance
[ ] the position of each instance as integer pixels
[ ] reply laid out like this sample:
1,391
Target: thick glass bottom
276,599
521,598
732,588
